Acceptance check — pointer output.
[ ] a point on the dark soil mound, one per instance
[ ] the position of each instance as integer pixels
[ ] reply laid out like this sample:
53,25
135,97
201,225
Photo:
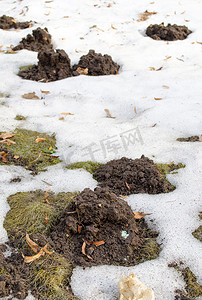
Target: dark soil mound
167,33
39,40
127,176
53,65
11,281
9,22
97,64
100,228
193,138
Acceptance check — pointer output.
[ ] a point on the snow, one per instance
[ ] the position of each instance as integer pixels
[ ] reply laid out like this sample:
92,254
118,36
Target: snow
178,114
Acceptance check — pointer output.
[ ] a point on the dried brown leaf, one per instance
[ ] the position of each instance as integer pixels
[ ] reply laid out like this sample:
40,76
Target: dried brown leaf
109,114
7,141
3,156
31,243
82,71
168,57
79,229
139,215
30,96
67,114
45,92
145,16
39,140
6,135
124,197
98,243
165,86
29,259
128,187
83,250
113,27
157,98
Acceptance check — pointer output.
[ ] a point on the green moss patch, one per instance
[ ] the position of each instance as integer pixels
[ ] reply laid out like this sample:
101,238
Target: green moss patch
30,212
50,278
170,168
198,232
20,118
25,68
30,154
89,166
192,288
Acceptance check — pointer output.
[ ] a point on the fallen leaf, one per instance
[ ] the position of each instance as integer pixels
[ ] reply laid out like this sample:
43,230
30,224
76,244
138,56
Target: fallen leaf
83,250
30,96
6,135
3,155
16,156
21,12
46,182
157,98
67,114
98,243
82,71
124,197
139,215
168,57
113,27
63,38
152,68
135,110
46,193
79,229
128,187
62,118
154,125
45,249
109,114
165,86
199,43
159,69
45,92
145,16
200,138
31,243
29,259
39,140
46,220
7,141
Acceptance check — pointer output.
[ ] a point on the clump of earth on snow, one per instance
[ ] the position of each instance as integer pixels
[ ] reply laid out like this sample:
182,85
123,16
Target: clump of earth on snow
167,33
53,65
127,176
98,228
39,40
194,138
9,22
96,64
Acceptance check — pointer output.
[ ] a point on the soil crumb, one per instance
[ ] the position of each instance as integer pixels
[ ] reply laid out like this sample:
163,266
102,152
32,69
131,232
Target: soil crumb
9,22
99,228
194,138
96,64
39,40
127,176
53,65
167,33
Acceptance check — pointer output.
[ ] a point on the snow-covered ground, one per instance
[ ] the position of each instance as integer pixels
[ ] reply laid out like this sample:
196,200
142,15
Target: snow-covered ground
129,96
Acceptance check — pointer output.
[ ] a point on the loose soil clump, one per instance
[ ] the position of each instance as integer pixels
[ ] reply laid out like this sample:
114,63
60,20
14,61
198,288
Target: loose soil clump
127,176
167,33
96,64
53,65
100,228
39,40
9,22
194,138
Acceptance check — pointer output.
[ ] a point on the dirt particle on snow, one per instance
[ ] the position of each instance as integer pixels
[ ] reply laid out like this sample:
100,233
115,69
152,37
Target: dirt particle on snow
193,138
